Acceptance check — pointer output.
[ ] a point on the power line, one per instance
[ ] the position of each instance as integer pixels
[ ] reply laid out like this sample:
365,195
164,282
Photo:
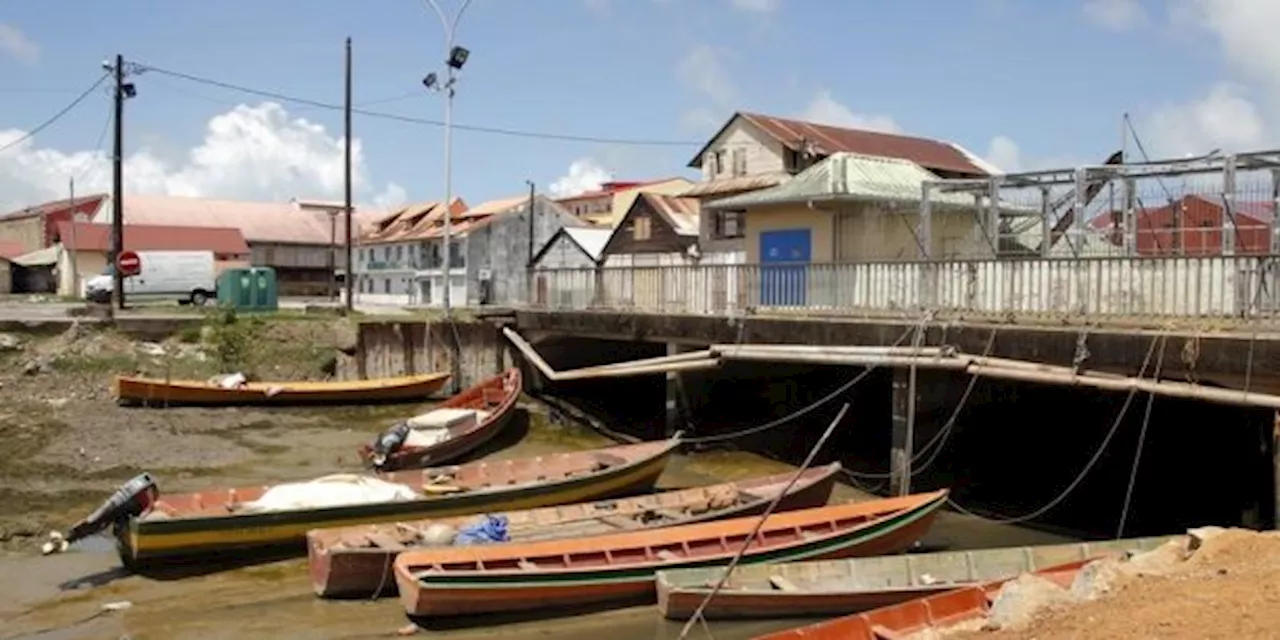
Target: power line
57,116
412,120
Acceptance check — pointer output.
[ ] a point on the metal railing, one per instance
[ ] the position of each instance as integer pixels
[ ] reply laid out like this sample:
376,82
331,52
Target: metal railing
1152,287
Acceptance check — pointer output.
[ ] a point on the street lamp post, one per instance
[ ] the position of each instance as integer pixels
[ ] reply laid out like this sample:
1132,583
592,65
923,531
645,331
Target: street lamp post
456,58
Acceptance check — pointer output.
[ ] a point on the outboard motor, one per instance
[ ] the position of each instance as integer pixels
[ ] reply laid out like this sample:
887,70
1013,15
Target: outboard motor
389,442
132,499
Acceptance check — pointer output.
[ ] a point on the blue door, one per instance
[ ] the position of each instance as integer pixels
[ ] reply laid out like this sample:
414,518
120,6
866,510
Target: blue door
784,263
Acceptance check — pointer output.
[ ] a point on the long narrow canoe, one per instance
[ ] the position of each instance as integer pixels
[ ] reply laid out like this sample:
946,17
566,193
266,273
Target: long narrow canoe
841,587
356,561
931,613
221,520
459,425
617,567
158,392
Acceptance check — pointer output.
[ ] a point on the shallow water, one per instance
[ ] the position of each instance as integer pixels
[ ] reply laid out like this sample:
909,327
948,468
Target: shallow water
62,596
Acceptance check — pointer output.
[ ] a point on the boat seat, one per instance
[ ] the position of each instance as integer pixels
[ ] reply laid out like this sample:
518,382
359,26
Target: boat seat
442,418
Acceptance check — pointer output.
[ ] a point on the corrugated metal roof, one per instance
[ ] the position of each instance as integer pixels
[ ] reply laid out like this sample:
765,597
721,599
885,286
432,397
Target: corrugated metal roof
681,213
851,177
87,202
825,140
97,237
725,186
591,241
494,207
277,222
39,257
417,221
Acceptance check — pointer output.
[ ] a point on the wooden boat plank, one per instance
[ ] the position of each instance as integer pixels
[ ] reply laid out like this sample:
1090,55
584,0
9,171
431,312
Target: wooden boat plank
161,392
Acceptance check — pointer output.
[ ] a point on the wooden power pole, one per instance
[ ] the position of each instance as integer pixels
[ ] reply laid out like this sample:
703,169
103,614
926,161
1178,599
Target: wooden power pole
346,115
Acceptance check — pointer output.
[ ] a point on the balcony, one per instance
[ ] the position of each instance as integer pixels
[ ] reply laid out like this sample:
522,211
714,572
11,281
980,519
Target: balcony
1235,287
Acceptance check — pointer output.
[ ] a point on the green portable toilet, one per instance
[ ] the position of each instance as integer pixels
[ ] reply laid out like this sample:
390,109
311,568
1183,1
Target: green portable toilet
233,287
265,295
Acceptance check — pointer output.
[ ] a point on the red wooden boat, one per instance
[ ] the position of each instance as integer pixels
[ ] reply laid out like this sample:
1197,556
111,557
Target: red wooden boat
931,613
621,566
459,425
356,561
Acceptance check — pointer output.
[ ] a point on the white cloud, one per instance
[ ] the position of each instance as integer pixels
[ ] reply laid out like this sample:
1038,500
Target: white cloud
1116,15
1223,118
703,72
825,109
16,44
1004,153
757,6
250,153
585,174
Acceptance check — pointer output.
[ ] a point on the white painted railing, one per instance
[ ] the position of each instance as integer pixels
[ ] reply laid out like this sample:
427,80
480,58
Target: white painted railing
1210,286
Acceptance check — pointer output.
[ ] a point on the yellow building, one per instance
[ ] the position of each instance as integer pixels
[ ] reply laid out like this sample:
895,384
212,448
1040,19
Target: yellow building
605,206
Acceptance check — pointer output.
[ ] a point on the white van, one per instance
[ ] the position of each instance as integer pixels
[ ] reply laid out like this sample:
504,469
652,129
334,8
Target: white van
187,276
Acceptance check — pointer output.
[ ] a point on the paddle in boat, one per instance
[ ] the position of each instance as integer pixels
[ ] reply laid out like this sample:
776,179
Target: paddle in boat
356,561
235,390
929,615
549,574
459,425
841,587
150,526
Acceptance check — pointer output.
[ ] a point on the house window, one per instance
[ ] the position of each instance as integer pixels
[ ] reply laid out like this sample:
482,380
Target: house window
796,161
717,166
642,228
386,285
728,224
739,162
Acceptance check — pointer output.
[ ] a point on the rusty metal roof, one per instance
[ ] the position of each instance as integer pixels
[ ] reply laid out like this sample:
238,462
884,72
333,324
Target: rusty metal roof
824,140
681,213
726,186
97,237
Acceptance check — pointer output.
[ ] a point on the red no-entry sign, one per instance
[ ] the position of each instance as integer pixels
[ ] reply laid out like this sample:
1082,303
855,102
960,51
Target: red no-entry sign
129,263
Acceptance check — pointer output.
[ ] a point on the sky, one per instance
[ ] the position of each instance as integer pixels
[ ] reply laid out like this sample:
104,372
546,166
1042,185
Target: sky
1026,84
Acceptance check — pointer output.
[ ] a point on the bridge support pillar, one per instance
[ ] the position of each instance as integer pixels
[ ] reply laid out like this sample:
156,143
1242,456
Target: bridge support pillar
674,418
902,441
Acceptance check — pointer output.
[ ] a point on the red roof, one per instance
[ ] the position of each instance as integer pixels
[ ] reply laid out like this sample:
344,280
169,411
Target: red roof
613,186
825,140
87,203
97,237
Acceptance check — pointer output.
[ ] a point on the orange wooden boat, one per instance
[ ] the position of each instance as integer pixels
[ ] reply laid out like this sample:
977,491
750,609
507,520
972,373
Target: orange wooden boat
356,561
159,392
842,587
459,425
921,615
558,573
183,526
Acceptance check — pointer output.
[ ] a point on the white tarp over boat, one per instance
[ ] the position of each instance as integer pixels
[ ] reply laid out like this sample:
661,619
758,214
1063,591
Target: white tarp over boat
331,491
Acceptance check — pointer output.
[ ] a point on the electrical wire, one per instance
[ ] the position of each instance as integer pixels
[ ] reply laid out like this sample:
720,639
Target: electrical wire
97,146
410,119
55,117
1097,455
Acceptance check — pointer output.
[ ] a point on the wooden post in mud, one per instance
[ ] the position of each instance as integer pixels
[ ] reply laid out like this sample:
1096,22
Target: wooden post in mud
904,425
673,423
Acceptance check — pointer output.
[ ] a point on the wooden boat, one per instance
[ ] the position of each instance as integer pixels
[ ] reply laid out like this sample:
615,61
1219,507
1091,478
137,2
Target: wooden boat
356,561
841,587
459,425
621,566
193,524
922,615
158,392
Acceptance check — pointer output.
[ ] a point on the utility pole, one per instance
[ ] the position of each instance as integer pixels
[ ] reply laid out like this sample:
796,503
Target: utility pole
75,267
346,160
532,196
117,185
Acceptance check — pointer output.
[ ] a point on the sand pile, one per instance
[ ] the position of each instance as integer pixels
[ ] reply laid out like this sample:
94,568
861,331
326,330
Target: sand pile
1215,583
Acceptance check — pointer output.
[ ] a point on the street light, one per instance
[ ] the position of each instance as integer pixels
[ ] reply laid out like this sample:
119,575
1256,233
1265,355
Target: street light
332,209
455,60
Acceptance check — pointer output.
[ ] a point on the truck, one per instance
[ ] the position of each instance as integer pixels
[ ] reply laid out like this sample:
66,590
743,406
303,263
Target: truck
190,277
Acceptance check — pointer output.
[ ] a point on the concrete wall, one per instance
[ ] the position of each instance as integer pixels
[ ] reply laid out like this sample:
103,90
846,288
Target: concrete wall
27,231
6,276
868,232
502,247
400,348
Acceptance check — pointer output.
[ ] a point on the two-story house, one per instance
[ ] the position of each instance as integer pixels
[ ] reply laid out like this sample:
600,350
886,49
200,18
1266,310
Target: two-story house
753,151
400,260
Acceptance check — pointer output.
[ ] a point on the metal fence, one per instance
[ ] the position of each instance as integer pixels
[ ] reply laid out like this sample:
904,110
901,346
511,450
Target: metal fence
1193,286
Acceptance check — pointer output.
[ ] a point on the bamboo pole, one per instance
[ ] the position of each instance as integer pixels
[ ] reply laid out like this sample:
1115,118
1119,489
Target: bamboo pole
927,352
865,360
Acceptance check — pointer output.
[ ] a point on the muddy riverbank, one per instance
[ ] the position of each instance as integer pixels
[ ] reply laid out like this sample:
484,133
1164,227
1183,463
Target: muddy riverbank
67,446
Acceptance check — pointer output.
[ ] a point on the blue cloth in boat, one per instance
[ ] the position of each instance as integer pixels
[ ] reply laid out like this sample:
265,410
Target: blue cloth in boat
486,530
